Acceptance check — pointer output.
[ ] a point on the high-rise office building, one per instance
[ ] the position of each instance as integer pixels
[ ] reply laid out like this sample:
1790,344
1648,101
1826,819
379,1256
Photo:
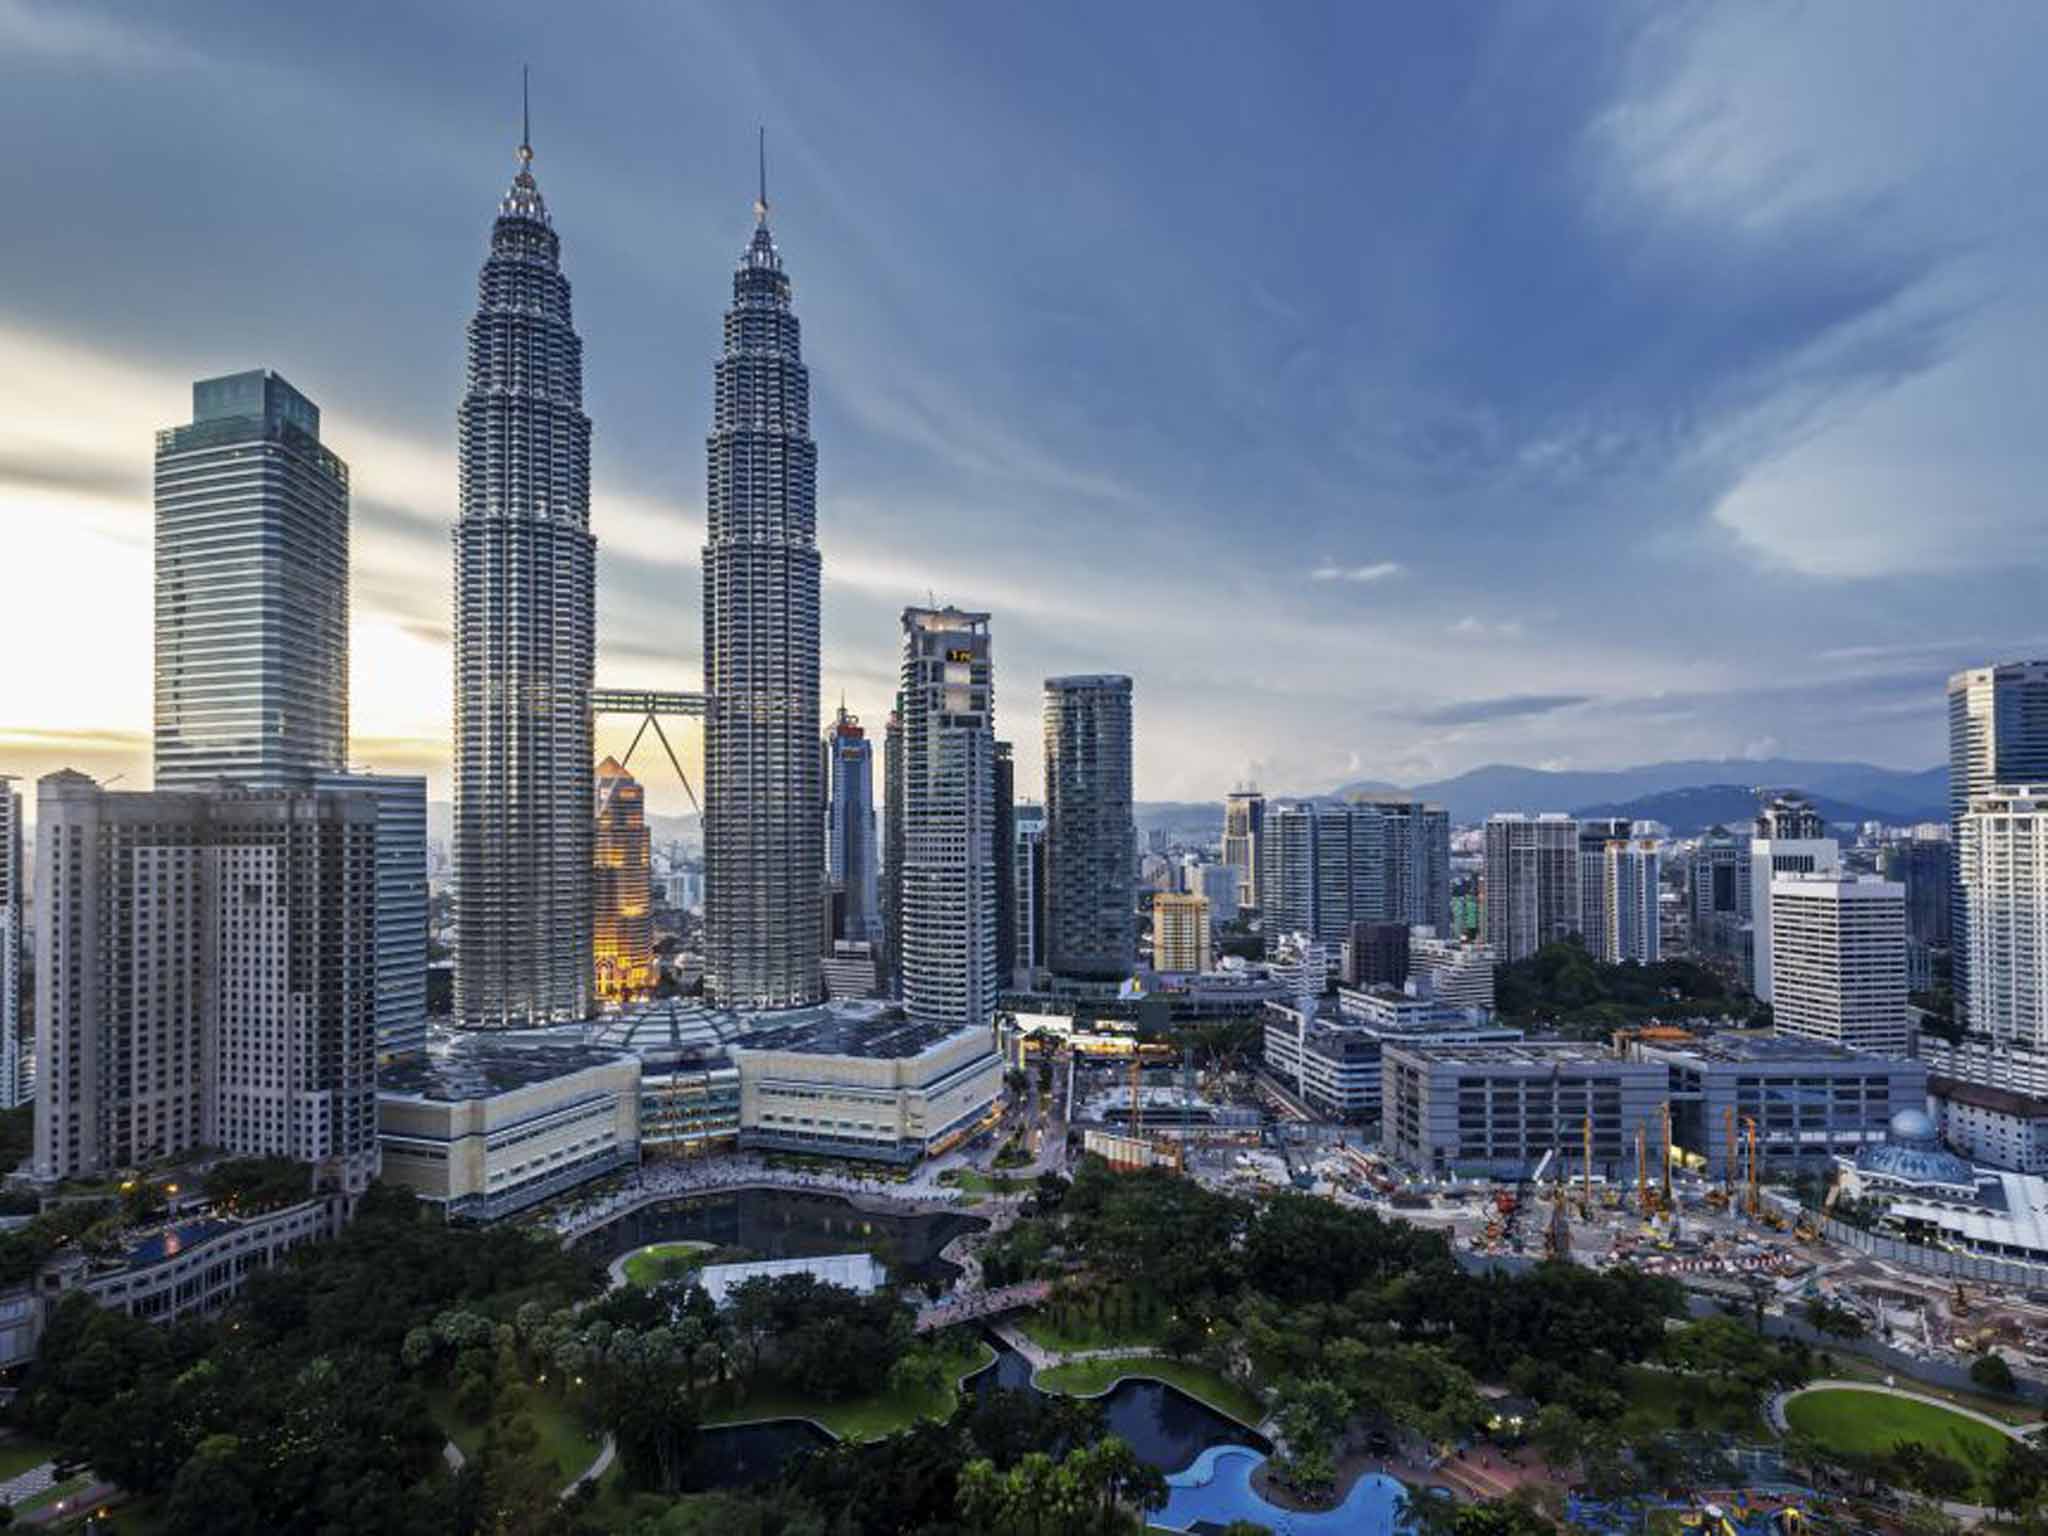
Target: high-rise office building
525,638
1839,961
761,583
1532,883
1180,933
1218,882
1925,866
1997,735
851,847
1006,860
1376,955
950,970
622,894
1090,836
208,966
401,917
1719,891
14,1074
251,590
892,852
1790,840
1631,875
1244,820
1594,835
1028,868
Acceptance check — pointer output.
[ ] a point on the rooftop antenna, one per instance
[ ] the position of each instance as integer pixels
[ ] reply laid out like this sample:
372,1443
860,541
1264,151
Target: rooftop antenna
761,202
525,114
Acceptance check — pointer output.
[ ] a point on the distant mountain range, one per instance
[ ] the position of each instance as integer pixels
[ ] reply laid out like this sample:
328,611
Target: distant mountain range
1691,811
1844,791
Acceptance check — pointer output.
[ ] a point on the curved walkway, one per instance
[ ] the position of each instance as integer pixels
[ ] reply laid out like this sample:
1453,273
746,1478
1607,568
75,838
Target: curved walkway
1775,1409
932,1200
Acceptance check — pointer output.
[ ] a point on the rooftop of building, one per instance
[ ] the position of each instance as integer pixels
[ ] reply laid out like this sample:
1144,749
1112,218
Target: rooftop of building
1758,1046
2004,1101
875,1032
1515,1053
477,1066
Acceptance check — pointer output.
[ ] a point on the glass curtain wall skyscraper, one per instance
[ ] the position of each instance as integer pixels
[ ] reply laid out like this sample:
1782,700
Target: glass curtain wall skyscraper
762,772
851,852
525,638
251,590
1090,836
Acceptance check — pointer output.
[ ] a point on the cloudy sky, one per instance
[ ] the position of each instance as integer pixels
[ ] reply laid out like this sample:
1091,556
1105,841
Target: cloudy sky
1389,389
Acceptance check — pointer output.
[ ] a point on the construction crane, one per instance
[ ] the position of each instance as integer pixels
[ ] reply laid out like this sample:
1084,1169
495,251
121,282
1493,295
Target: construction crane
1667,1155
1728,1173
1586,1170
1643,1167
1755,1197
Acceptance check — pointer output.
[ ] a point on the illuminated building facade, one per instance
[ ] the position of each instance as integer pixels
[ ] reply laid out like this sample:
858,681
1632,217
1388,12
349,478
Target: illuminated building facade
622,891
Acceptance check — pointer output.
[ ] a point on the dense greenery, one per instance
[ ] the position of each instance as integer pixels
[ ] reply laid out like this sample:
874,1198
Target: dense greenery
1561,984
248,1186
95,1226
295,1415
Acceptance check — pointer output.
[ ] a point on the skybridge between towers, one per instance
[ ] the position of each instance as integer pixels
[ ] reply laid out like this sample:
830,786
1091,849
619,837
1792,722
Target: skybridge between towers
651,705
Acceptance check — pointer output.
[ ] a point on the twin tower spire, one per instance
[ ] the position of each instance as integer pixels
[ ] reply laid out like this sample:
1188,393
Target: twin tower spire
524,642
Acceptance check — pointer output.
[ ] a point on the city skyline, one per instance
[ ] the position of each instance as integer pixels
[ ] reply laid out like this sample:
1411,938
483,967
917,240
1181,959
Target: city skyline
1832,341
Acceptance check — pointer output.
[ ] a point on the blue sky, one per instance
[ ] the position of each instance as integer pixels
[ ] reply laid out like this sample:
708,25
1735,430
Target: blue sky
1388,389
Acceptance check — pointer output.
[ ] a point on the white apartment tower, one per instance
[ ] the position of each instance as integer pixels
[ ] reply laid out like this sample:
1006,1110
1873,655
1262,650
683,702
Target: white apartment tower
1532,883
950,968
209,965
2004,881
1839,961
1629,877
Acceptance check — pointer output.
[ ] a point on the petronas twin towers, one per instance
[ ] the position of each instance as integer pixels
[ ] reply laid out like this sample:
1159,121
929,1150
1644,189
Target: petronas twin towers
525,645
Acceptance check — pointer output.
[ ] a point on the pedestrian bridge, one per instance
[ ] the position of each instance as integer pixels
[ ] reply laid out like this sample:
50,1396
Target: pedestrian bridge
977,1305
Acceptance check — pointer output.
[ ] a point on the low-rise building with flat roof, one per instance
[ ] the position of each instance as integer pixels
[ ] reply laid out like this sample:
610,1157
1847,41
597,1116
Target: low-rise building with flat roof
1335,1064
1995,1127
864,1081
1812,1100
1495,1109
483,1127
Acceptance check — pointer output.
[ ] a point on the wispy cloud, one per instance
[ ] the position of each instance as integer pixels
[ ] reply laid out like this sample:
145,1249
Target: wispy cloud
1511,707
1379,570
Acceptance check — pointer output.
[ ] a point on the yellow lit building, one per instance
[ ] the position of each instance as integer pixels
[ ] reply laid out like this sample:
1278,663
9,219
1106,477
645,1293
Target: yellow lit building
1180,933
622,893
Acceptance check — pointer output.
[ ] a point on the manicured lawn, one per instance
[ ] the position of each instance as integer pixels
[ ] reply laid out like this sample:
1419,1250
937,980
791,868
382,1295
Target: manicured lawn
19,1453
1653,1406
563,1443
2011,1410
856,1418
1086,1378
1845,1419
1080,1330
664,1261
979,1183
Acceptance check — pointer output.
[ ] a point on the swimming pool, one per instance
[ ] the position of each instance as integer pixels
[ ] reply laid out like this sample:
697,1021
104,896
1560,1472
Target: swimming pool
1217,1487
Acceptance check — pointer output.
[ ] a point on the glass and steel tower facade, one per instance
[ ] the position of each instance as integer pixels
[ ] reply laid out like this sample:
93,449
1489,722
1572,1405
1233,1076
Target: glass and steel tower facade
763,774
1090,834
251,590
525,639
851,850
